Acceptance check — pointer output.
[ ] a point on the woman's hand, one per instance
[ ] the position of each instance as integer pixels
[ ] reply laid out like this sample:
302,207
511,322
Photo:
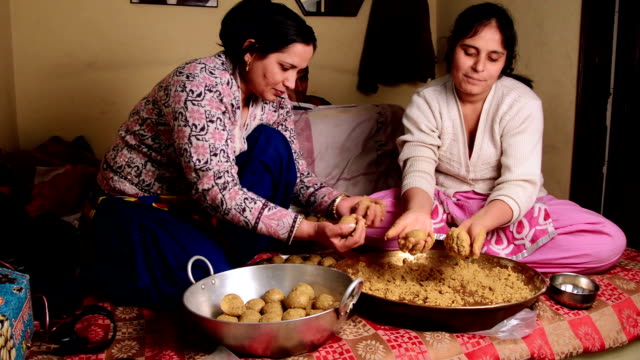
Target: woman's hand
372,210
404,227
340,237
417,217
494,214
465,244
477,235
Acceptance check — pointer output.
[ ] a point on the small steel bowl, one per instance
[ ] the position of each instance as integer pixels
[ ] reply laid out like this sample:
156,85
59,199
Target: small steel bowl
573,290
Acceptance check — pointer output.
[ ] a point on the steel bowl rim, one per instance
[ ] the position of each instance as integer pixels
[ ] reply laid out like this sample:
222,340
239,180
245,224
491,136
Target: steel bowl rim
574,275
572,299
201,300
572,304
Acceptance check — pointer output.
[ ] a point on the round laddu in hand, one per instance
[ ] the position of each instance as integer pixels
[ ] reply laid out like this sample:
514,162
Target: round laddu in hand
417,234
408,246
348,219
458,243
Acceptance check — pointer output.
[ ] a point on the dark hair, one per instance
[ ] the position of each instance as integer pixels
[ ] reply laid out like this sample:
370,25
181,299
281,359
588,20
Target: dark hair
273,26
475,18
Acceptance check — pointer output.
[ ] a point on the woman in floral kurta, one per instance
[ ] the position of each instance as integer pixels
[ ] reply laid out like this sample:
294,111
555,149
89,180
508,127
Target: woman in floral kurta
217,131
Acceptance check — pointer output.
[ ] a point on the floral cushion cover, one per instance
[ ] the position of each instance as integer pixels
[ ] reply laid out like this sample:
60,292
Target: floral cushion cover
613,321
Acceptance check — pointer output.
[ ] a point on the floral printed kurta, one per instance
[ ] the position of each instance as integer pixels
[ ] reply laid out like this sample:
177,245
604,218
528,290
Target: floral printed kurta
183,137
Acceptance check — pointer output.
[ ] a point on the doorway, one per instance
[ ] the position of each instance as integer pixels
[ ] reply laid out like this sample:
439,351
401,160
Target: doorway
606,147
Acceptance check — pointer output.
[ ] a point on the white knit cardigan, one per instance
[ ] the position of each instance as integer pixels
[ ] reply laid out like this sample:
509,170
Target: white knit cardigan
507,154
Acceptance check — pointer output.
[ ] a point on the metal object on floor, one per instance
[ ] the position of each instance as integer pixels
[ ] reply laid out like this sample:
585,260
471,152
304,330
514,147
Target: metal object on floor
573,290
439,318
271,339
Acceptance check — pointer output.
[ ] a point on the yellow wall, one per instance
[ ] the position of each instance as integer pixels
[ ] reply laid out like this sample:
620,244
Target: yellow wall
81,65
8,134
549,51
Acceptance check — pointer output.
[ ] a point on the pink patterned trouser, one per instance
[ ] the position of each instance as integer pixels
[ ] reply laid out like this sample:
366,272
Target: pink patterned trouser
564,237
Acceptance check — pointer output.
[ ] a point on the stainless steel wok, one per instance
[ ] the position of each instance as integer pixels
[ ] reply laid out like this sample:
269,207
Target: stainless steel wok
437,318
275,339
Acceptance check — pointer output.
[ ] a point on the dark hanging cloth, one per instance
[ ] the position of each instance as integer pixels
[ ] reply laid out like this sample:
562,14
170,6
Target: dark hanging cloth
397,45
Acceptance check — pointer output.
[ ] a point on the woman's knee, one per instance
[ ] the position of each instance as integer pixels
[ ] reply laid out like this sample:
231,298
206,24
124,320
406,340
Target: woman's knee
587,240
268,167
616,243
266,136
606,249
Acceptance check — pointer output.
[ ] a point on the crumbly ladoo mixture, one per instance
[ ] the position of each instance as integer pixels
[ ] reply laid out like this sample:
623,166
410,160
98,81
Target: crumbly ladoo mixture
448,282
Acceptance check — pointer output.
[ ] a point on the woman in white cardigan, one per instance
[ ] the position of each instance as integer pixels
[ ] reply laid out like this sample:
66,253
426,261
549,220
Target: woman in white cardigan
471,157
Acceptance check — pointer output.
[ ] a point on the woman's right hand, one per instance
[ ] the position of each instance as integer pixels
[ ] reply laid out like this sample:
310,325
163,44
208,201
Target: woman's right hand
340,237
372,210
415,219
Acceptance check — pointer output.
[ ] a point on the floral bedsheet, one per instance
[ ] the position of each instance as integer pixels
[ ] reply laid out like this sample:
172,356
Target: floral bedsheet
613,321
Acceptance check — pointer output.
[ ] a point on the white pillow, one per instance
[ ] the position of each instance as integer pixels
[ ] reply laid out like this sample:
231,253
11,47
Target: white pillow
352,148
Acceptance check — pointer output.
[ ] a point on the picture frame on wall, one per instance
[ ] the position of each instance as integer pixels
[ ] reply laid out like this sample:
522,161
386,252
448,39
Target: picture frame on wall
203,3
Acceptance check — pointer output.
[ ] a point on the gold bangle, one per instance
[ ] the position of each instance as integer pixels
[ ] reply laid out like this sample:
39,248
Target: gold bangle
334,207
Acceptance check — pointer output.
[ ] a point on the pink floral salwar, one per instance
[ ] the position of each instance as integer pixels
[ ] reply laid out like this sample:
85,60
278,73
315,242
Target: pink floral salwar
553,236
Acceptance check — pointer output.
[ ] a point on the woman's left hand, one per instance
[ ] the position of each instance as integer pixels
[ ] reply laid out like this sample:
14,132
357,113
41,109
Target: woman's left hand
340,237
372,210
494,214
477,235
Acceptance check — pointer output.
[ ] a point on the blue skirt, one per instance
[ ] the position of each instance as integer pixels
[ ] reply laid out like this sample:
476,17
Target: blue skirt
141,246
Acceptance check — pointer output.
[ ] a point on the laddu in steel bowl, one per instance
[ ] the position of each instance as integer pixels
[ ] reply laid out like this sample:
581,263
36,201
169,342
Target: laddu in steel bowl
273,339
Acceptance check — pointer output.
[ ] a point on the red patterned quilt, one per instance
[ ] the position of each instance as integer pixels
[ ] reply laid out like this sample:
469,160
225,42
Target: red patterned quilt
613,321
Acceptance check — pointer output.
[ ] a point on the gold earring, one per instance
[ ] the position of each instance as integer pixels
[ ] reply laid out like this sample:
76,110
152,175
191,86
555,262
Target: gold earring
247,68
